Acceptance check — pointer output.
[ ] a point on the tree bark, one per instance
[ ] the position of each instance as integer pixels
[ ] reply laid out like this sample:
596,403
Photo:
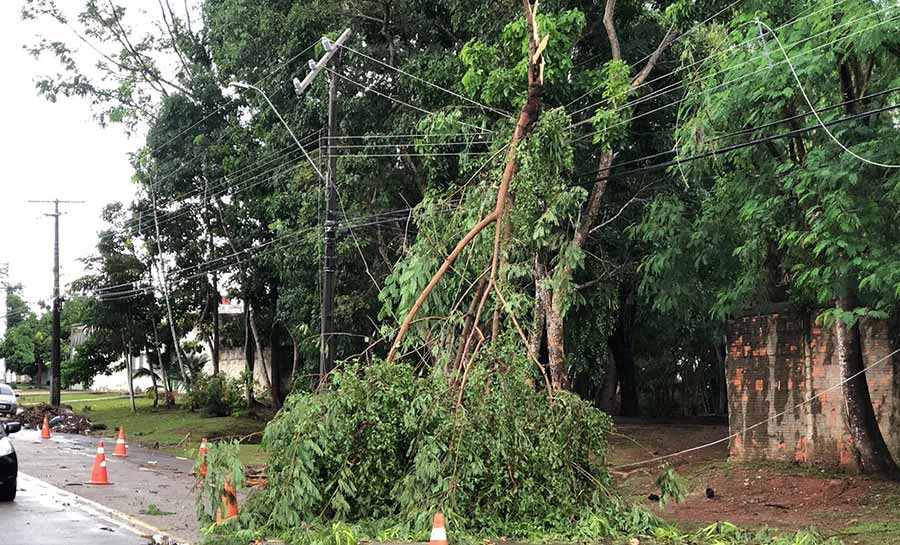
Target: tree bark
872,454
539,315
267,382
559,373
621,344
249,357
609,387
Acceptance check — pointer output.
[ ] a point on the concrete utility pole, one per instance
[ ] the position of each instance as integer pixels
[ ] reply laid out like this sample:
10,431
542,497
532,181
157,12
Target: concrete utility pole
332,49
54,347
329,265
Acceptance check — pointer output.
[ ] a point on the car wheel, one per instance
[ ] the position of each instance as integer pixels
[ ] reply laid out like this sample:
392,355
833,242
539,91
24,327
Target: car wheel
8,490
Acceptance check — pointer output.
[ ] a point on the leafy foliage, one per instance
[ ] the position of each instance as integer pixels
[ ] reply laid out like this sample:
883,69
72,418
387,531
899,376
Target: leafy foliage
386,443
218,395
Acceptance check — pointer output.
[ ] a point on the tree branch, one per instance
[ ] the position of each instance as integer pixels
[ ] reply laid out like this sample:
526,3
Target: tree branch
611,34
667,40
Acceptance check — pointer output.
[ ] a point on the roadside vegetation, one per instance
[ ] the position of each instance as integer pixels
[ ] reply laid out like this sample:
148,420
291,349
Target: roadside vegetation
544,215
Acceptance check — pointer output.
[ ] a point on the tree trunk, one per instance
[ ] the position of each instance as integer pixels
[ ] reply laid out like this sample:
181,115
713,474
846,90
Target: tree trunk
621,344
277,400
153,384
129,372
249,357
259,347
539,316
722,375
559,374
872,454
609,387
167,387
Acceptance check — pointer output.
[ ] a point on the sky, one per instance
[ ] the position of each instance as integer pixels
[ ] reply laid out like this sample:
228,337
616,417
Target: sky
51,151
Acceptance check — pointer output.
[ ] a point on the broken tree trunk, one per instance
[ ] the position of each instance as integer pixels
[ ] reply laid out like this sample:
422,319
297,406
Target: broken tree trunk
527,117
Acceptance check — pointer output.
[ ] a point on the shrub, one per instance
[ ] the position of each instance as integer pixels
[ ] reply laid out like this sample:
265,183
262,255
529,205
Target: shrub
217,395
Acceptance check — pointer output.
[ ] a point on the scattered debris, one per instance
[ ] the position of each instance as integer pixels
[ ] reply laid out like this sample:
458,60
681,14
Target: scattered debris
710,493
255,476
62,419
653,497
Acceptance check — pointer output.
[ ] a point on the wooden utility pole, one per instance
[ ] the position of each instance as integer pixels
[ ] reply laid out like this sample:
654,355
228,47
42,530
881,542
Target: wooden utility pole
55,333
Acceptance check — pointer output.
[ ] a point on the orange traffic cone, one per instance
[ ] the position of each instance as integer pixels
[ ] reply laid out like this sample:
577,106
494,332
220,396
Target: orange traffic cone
229,502
45,431
121,448
202,453
438,530
99,475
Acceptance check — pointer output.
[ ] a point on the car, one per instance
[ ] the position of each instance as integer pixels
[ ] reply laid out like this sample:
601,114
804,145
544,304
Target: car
8,403
9,464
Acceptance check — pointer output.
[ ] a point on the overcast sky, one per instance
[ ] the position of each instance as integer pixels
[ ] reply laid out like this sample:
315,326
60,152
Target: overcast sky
50,151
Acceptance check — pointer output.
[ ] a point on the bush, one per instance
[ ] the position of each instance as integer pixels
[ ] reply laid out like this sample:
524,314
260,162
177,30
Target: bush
217,395
385,443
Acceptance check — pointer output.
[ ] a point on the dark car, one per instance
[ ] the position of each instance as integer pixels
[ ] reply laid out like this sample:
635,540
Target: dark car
9,464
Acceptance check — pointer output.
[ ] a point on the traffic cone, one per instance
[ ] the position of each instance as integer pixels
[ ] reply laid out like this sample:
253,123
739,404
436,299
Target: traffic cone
99,475
45,431
438,530
202,454
121,448
229,501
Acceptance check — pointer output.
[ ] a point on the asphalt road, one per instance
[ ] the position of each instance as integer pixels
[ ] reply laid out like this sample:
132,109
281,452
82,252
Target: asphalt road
53,474
46,515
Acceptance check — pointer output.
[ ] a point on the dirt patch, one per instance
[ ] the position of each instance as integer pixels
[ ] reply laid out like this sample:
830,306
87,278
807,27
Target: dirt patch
785,496
62,419
768,497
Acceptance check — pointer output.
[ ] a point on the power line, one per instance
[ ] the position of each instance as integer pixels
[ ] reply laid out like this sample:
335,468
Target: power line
371,89
744,430
430,84
736,147
723,84
684,67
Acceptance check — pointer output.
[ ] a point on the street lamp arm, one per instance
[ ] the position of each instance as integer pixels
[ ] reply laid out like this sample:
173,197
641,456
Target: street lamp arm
283,122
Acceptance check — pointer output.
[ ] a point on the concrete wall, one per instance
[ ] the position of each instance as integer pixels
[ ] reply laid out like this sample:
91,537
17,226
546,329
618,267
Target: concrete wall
780,358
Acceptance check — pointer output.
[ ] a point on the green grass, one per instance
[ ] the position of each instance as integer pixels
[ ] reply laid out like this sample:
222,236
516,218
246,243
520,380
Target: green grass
176,431
872,533
33,397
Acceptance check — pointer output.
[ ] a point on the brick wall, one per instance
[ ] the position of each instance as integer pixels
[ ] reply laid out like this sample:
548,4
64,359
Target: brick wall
778,359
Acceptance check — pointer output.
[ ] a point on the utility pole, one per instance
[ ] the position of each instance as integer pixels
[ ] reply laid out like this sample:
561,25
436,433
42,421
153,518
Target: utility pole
55,343
327,353
326,360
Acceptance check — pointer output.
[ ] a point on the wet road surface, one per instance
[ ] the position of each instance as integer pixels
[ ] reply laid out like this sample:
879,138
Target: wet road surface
63,465
45,515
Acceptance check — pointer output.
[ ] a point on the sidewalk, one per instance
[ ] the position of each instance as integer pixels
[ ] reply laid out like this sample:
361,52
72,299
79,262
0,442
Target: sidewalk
145,477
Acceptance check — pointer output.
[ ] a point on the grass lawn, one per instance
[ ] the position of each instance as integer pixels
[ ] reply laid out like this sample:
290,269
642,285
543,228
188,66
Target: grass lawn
176,431
33,397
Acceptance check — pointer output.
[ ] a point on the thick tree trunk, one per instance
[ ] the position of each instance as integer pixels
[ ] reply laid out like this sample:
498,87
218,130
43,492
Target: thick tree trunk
275,388
539,315
722,375
872,454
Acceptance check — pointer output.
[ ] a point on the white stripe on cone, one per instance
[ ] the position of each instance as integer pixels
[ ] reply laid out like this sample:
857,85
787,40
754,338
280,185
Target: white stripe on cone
120,441
438,534
100,450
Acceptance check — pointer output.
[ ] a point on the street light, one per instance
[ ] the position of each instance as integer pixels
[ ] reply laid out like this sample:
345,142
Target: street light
283,122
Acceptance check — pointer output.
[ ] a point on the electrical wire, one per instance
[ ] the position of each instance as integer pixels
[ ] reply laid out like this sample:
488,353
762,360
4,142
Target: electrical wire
684,67
745,429
742,145
723,84
434,85
678,84
371,89
813,108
